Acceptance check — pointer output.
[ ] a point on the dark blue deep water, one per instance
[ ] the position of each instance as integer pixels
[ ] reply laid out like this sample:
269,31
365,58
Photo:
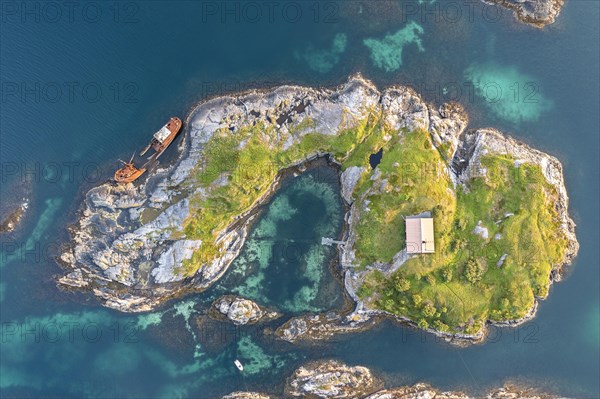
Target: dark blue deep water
84,83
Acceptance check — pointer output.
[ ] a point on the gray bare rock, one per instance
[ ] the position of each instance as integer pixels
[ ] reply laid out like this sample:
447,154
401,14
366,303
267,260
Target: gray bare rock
404,108
15,201
331,379
501,260
417,391
446,123
349,178
242,311
481,231
323,326
293,329
74,279
426,391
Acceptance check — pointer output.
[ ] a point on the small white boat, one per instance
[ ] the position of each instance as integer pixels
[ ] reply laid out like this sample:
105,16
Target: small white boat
239,365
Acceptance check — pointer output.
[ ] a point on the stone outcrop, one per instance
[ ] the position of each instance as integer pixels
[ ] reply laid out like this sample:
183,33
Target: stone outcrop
349,178
324,326
240,311
331,379
417,391
425,391
538,13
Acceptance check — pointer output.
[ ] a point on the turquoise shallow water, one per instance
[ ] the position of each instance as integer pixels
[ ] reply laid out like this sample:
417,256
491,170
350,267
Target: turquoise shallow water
283,263
80,92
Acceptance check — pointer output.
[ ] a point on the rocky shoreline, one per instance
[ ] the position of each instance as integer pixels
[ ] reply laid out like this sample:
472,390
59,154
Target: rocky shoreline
127,245
333,379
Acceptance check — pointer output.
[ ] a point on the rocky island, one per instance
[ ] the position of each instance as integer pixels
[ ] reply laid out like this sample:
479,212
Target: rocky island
9,223
335,380
499,208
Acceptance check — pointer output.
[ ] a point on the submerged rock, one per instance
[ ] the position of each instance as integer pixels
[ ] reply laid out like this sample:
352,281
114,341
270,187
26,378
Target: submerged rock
9,223
481,231
242,311
331,379
14,204
74,279
349,179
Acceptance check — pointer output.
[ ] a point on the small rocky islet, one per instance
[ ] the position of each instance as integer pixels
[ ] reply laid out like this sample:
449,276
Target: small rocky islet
137,246
15,203
13,218
538,13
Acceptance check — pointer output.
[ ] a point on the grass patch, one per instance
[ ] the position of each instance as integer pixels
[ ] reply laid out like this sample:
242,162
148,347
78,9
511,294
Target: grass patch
412,180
